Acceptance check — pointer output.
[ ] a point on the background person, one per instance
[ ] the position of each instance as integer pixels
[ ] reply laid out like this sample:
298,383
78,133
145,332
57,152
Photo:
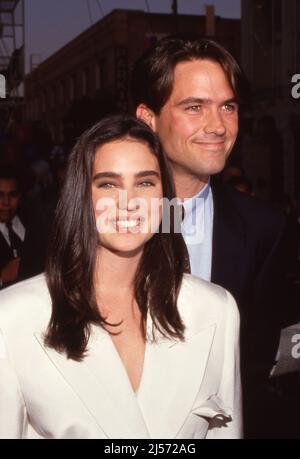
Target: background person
12,229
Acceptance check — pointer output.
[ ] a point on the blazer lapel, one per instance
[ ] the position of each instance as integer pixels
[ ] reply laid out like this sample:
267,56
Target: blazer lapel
229,251
101,382
172,376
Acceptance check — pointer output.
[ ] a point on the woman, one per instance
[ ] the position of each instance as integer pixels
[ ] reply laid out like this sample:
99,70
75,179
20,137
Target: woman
116,341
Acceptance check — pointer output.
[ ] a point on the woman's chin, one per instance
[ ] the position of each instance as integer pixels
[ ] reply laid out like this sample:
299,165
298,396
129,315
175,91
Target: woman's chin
123,248
125,245
128,251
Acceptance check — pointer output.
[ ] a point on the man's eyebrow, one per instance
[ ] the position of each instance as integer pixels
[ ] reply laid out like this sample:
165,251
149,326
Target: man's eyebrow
193,100
7,193
233,100
203,101
115,175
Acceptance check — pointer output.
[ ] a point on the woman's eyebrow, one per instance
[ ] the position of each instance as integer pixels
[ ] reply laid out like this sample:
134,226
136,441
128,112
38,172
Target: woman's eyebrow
106,175
116,175
147,174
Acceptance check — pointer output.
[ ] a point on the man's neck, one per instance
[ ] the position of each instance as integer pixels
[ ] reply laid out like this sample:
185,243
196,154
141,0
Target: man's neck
7,222
188,186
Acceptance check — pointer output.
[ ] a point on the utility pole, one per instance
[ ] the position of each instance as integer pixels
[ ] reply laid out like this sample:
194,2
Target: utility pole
175,14
210,20
175,7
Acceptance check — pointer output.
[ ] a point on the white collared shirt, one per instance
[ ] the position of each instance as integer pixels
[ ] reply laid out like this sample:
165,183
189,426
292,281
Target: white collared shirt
17,226
197,231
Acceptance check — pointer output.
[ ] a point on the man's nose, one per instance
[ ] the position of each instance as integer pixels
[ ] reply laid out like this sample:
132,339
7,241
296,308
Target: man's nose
214,123
6,200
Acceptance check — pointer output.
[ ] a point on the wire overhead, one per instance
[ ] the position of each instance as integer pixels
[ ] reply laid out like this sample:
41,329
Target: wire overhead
90,11
100,7
147,6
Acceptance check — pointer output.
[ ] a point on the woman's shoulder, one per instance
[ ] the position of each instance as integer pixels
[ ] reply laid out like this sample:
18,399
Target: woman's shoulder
25,304
208,302
196,288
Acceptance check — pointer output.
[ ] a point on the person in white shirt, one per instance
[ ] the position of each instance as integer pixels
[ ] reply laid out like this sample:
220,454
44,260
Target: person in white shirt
12,230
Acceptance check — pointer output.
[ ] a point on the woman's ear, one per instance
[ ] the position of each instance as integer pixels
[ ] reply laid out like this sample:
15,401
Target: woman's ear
146,114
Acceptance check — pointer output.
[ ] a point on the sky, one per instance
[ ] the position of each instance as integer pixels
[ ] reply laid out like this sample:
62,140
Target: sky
50,24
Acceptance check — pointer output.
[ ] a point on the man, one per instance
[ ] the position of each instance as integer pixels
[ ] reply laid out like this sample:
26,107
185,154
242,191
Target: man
189,90
12,230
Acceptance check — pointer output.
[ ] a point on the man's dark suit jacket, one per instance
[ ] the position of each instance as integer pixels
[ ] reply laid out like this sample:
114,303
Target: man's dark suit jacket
6,253
248,259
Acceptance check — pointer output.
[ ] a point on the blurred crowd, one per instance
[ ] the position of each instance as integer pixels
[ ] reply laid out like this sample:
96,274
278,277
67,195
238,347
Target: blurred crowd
31,175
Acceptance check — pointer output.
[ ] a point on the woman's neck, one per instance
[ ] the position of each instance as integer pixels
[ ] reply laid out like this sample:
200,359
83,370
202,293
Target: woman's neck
114,281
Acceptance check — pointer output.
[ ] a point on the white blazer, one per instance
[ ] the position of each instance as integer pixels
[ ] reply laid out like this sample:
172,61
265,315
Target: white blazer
188,389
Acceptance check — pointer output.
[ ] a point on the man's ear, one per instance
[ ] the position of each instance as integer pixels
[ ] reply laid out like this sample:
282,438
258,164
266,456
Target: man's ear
146,114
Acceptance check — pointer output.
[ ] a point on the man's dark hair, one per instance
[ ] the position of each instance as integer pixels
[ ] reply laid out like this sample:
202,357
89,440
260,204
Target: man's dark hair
153,73
8,173
72,255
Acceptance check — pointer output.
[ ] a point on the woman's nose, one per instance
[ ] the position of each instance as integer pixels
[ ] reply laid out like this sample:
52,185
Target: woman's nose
128,200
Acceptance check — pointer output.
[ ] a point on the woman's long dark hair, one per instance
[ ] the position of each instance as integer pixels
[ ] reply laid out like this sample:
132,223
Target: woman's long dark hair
73,248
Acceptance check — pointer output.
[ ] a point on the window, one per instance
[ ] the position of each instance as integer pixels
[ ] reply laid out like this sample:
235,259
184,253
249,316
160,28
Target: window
100,74
43,102
85,82
62,92
51,98
72,87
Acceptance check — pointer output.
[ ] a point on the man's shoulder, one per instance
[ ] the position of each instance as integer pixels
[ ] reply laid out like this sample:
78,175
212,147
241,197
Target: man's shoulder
21,217
5,251
2,239
253,210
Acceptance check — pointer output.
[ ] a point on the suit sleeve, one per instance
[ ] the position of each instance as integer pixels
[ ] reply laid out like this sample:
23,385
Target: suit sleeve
12,407
230,392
